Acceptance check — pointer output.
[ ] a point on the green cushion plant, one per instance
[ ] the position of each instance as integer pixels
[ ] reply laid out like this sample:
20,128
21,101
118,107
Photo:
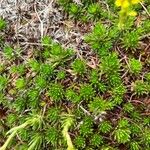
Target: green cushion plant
55,99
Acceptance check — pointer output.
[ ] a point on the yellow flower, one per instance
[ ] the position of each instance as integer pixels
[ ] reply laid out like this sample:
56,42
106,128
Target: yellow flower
122,3
126,10
118,3
135,1
132,13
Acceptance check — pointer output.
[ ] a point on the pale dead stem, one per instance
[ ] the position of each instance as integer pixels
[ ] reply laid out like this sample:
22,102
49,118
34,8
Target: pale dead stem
46,19
145,9
41,22
78,2
46,13
96,117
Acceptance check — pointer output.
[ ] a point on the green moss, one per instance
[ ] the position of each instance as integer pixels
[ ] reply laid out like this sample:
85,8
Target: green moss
56,92
105,127
33,98
87,92
147,77
86,127
135,146
135,66
122,135
80,142
94,77
52,98
19,104
110,64
8,52
46,41
61,75
3,83
20,83
74,10
96,140
46,70
53,114
34,65
40,82
79,67
72,96
99,105
94,11
128,107
2,24
140,87
52,135
131,39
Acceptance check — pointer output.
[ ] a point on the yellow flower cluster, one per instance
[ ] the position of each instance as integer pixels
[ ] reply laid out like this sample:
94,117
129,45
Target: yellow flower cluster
126,10
126,3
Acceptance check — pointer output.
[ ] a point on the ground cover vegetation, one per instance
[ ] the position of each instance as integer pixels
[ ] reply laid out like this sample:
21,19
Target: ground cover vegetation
55,100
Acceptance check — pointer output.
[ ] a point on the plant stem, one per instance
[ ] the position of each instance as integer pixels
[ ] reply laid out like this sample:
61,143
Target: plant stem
8,140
